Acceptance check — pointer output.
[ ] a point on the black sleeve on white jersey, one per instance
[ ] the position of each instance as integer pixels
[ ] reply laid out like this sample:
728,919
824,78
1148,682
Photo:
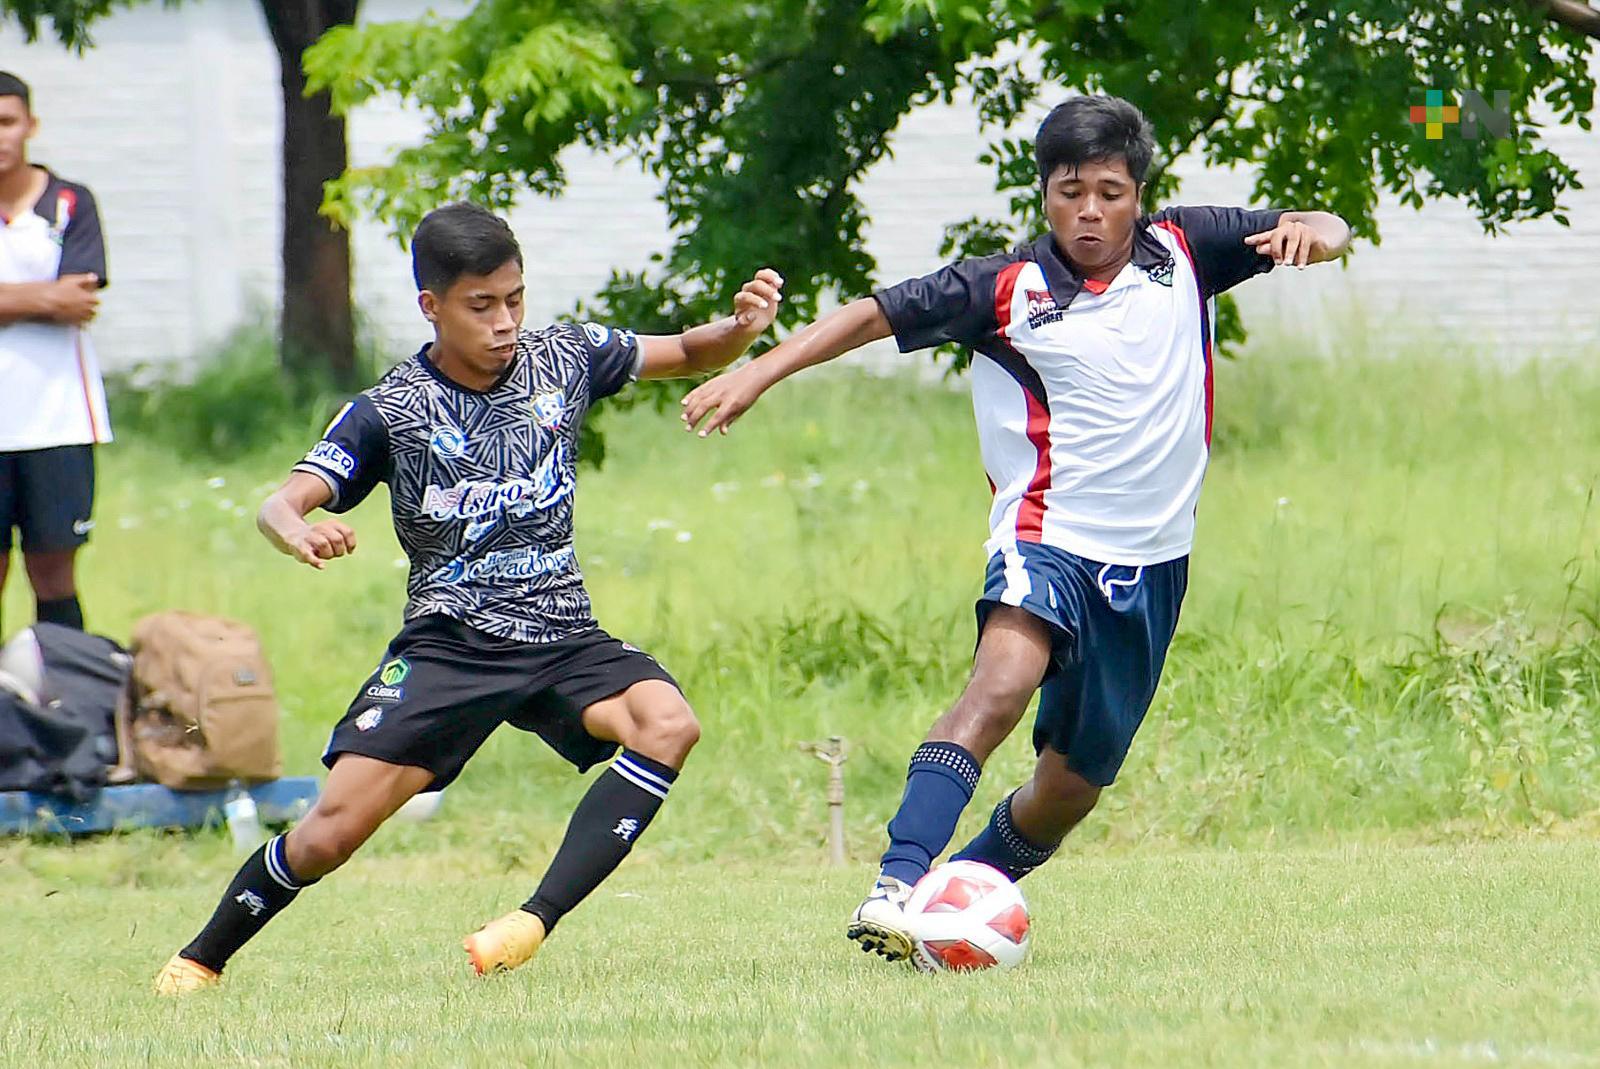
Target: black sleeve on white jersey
83,246
1216,240
353,455
954,304
615,358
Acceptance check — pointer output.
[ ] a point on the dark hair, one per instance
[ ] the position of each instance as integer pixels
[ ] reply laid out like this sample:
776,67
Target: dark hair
12,86
460,239
1089,129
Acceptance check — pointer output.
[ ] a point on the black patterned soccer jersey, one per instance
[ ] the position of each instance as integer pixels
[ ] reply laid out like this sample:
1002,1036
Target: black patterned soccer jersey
481,482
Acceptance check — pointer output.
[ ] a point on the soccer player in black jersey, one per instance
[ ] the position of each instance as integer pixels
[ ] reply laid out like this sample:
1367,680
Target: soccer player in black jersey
476,436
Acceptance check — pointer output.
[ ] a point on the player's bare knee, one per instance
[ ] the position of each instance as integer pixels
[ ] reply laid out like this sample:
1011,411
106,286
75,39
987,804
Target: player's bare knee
665,731
319,845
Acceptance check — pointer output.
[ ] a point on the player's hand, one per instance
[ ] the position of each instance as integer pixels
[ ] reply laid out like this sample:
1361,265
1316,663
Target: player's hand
321,542
1290,242
723,399
756,303
74,299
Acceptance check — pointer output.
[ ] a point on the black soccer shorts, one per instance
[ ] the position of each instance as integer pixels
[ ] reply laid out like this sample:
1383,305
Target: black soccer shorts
443,687
47,494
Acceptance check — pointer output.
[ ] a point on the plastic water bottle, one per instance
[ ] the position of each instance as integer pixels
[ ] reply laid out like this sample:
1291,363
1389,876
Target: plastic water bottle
244,823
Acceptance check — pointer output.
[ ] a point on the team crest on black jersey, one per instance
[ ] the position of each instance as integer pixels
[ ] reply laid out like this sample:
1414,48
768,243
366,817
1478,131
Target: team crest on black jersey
1041,309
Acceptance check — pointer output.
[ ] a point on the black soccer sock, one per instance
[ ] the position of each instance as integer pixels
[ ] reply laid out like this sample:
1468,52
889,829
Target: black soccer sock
64,611
263,887
604,827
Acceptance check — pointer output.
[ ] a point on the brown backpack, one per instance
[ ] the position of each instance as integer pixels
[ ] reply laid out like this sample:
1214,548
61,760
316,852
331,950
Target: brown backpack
201,710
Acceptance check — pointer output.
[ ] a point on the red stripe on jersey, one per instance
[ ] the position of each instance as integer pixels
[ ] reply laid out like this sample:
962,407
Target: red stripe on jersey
1030,513
88,394
1205,325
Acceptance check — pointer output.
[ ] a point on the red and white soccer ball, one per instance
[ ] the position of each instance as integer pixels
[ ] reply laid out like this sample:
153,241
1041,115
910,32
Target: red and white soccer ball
965,916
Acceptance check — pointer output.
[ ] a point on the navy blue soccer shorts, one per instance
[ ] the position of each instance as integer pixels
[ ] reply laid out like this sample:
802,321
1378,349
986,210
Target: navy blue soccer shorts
1111,625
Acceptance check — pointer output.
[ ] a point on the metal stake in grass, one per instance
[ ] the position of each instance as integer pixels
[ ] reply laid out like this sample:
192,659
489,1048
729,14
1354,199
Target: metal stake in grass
833,752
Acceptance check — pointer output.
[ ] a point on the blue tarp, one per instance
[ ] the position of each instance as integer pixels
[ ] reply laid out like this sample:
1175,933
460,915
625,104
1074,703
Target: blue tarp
149,805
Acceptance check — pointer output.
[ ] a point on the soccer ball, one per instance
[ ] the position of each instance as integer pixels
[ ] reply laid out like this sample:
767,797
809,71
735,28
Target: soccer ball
965,916
420,807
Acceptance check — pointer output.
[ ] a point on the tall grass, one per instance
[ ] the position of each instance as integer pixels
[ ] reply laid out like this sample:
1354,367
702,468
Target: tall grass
1389,624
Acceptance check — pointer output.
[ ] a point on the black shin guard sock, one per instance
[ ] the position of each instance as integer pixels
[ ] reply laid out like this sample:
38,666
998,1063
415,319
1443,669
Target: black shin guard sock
263,887
604,827
64,611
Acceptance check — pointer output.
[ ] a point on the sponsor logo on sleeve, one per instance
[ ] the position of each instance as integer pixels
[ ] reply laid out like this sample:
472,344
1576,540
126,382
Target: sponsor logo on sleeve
369,719
334,458
598,335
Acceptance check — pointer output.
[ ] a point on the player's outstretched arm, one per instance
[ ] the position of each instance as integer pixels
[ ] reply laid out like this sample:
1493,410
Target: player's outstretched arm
1302,238
713,346
282,520
725,398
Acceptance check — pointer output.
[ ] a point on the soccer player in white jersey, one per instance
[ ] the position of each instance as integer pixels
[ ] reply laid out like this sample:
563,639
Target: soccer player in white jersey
1091,382
52,402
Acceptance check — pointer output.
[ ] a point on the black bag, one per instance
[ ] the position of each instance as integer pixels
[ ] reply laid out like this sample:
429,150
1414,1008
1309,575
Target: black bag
65,746
85,676
47,750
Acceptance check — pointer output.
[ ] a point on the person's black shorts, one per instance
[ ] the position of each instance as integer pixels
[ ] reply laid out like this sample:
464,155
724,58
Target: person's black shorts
443,687
47,494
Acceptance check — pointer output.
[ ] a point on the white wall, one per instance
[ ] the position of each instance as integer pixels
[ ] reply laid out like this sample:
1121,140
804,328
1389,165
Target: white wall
173,119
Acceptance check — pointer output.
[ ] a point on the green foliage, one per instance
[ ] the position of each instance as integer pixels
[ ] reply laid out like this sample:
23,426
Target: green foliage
1347,661
758,119
761,119
236,402
69,20
508,86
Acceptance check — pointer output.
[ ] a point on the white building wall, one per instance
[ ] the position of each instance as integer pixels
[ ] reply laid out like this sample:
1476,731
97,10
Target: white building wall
173,119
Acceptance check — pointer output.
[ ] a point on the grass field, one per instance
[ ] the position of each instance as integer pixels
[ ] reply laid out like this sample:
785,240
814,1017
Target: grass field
1357,828
1366,955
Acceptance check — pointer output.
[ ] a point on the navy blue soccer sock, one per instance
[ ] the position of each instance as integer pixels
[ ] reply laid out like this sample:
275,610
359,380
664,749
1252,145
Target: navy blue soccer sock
263,888
939,784
1002,846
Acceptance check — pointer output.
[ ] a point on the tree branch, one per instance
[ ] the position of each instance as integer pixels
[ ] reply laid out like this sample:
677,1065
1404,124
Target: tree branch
1573,14
1161,167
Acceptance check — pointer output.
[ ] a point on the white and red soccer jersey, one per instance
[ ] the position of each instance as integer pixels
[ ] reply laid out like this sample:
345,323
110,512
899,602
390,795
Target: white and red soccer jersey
52,393
1093,401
